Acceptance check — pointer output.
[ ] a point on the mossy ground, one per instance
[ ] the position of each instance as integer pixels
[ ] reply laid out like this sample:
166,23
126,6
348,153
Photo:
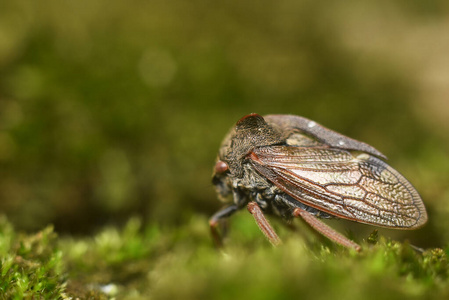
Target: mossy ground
149,262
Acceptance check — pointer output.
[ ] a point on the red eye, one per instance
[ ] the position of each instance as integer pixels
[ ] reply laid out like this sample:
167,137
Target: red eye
221,167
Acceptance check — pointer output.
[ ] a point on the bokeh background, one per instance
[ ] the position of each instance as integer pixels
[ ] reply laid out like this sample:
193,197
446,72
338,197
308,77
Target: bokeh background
112,109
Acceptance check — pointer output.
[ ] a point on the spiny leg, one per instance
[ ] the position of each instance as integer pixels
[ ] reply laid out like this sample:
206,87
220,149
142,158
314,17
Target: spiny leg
325,230
216,219
263,223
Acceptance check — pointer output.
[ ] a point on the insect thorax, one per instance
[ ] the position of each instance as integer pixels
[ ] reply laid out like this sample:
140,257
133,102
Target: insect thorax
272,200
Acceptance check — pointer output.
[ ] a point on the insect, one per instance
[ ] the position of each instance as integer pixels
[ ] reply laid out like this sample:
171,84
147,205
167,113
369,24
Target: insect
293,167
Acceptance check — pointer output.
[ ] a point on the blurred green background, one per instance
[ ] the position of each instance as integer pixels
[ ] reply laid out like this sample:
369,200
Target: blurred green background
112,109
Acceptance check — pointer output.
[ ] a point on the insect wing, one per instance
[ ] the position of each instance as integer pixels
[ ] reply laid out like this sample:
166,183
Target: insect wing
321,133
360,187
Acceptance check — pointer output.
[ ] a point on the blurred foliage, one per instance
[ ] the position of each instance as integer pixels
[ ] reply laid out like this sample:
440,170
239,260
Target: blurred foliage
110,110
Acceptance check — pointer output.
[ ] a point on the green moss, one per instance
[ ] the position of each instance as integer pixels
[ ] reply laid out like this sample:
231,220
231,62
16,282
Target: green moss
31,265
153,262
252,269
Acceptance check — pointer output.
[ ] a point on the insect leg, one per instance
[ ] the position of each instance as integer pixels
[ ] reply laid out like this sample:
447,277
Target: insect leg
263,223
214,221
325,230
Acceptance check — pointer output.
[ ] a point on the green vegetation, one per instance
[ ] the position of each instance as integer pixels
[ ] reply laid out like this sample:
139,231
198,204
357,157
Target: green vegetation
149,262
31,265
112,112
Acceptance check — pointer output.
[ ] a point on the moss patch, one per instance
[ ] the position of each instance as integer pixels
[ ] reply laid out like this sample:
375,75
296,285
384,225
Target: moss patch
150,262
31,265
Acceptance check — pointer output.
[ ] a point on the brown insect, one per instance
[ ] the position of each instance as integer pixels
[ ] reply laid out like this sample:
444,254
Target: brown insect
291,167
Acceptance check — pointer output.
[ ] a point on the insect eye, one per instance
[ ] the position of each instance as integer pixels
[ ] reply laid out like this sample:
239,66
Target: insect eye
221,167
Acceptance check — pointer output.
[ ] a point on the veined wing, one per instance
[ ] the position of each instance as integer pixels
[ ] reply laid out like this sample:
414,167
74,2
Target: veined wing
359,187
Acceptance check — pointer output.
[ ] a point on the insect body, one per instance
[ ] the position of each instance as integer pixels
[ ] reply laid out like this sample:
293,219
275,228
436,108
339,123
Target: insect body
293,167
